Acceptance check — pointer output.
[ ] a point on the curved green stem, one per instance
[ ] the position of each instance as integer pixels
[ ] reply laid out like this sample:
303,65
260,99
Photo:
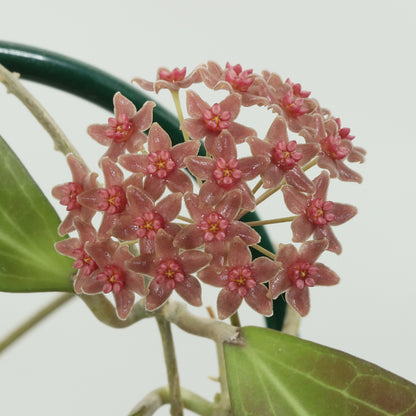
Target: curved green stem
35,319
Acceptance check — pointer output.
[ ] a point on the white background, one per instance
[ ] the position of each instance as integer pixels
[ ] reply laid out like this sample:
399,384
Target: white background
356,57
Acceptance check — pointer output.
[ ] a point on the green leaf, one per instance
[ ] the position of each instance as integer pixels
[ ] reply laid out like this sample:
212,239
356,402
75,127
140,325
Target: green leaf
275,374
28,224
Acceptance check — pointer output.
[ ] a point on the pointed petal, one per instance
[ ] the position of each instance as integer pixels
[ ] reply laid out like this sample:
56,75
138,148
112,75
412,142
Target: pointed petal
194,260
311,250
123,105
179,181
200,166
279,285
297,178
277,131
158,294
258,300
230,205
302,229
264,269
227,303
124,302
343,213
189,237
158,139
239,253
190,290
169,206
144,117
134,163
294,199
182,150
299,300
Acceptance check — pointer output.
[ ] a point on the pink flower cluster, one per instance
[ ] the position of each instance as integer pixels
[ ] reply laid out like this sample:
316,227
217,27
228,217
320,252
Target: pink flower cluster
160,231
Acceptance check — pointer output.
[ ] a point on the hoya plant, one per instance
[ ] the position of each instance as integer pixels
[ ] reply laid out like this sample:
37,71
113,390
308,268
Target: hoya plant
171,208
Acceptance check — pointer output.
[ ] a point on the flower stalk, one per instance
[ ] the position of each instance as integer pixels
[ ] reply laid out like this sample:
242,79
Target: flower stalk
171,366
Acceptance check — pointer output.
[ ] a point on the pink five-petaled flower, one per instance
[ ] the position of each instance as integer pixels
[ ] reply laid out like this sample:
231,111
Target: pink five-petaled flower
162,166
143,218
224,171
316,215
113,276
214,224
286,157
300,272
171,270
209,121
288,99
74,248
240,277
111,199
171,80
233,79
335,149
125,129
82,180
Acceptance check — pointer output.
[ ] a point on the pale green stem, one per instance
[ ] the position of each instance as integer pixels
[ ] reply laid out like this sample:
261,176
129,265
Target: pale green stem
257,186
35,319
264,251
161,396
176,100
274,221
268,193
180,217
15,87
312,163
171,366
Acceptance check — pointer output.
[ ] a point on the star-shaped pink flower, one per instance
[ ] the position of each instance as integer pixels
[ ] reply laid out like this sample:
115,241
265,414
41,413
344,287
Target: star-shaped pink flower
171,80
300,272
163,165
209,121
335,148
170,271
241,278
111,200
125,129
224,172
316,215
113,275
82,180
286,157
143,218
235,80
75,248
214,224
288,100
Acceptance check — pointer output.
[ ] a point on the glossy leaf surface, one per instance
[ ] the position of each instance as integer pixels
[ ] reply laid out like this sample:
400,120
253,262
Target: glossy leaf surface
28,224
275,374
